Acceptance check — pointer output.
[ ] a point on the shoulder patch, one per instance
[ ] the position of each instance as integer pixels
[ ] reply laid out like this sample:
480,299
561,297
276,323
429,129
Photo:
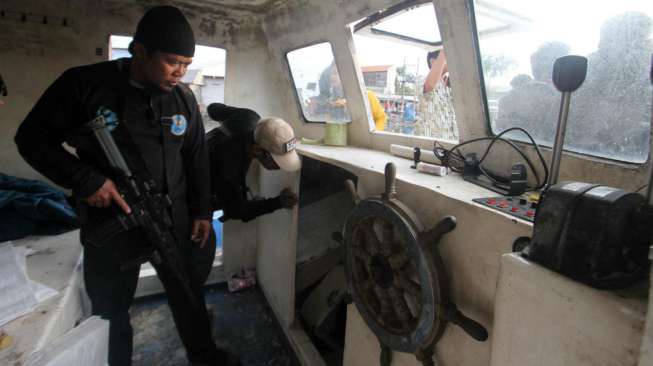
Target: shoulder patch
178,125
110,117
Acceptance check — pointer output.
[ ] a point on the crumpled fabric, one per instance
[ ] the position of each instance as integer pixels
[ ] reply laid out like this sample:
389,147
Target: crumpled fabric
32,207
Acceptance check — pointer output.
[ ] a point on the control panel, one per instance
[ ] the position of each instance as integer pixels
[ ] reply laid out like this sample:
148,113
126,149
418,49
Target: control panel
523,206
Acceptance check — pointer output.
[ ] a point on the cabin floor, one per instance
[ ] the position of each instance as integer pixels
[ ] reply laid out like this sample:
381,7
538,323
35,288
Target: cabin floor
242,322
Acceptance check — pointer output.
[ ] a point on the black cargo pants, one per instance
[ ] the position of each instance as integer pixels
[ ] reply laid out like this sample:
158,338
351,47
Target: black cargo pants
111,291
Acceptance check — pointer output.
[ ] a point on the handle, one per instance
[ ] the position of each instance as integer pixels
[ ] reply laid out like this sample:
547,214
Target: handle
385,358
473,328
444,226
390,175
568,75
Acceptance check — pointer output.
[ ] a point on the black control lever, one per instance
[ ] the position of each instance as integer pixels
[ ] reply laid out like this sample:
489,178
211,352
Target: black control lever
449,312
568,75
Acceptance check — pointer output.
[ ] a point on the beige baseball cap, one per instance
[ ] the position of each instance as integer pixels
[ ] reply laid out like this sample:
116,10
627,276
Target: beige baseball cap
277,137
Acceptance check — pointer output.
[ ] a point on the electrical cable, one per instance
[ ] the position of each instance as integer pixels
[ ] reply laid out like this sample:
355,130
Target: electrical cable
455,160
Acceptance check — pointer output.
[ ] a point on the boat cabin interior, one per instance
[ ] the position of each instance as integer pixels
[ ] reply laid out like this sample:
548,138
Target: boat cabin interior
474,189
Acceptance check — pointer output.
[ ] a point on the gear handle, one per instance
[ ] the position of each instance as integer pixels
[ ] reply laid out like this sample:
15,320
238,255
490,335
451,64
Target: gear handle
434,235
474,329
390,175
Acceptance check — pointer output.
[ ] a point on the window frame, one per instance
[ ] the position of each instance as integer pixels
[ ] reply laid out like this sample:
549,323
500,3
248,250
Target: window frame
298,102
491,133
367,26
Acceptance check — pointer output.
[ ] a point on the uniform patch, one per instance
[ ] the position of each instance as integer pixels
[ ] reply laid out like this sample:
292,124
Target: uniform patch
178,125
110,117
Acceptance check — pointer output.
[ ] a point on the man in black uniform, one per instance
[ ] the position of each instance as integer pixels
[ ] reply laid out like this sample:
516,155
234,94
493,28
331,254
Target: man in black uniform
157,127
242,137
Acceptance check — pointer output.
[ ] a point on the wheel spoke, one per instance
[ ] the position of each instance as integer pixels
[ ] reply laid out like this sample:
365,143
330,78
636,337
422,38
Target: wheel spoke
386,304
387,238
401,308
408,285
370,241
362,254
398,260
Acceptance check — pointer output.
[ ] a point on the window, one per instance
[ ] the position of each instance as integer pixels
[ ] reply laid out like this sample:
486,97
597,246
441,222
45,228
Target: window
375,79
317,83
610,114
205,76
407,93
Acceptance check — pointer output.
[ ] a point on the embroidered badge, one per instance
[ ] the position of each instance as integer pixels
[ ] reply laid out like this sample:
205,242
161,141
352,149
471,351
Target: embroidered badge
178,125
110,118
290,145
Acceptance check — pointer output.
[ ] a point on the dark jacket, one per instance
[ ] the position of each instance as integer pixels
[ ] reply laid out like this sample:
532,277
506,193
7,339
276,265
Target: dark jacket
32,207
178,163
229,162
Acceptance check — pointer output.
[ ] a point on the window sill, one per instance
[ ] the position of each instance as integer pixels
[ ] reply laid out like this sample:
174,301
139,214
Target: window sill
452,186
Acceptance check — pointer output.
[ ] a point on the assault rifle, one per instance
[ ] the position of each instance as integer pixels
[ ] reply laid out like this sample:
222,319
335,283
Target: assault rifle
149,210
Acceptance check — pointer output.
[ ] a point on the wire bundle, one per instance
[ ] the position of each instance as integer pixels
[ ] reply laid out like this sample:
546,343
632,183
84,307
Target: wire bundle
455,159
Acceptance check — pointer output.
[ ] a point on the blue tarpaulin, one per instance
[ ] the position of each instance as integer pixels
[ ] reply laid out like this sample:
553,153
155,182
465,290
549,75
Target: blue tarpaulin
32,207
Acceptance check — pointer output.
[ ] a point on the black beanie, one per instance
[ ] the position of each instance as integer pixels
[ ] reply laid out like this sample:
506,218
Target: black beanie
165,29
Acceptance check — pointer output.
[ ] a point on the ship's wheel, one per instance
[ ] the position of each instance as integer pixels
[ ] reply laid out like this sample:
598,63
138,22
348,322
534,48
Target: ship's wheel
395,274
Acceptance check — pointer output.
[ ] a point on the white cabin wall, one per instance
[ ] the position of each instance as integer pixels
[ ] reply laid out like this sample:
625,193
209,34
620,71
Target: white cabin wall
32,56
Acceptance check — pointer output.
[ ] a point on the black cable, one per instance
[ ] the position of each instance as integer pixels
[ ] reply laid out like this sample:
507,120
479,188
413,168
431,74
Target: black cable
455,160
537,150
642,187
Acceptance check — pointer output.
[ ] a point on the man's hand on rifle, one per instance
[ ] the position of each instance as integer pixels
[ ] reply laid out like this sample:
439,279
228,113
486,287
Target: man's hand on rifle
107,193
200,231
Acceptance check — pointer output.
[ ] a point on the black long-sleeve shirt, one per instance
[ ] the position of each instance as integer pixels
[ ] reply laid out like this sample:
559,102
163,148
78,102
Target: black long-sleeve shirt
229,162
178,162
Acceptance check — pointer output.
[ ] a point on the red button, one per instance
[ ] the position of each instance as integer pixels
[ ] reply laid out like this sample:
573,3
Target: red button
530,213
514,209
503,204
491,201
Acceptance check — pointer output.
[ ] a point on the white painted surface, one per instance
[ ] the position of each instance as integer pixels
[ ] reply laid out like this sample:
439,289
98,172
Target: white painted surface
87,345
277,248
56,264
542,318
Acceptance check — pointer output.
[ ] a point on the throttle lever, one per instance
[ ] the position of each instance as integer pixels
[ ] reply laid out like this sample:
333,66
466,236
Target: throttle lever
449,312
